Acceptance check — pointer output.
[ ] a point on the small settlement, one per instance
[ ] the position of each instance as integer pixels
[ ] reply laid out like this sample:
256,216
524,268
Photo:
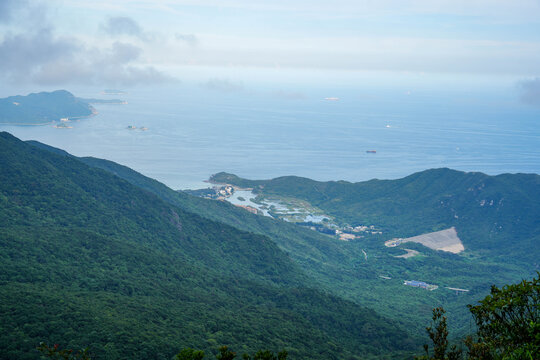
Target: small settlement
420,284
296,212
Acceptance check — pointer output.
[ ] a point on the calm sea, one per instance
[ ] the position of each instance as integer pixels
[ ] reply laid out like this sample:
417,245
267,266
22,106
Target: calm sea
269,129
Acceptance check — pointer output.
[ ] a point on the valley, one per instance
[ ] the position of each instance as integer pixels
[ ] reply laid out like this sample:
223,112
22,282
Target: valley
89,259
422,206
346,269
269,180
362,271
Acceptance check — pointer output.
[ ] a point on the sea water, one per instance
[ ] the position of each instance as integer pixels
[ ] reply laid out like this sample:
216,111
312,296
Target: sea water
311,127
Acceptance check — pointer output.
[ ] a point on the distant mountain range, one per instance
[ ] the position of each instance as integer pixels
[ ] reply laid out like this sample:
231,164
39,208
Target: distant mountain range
46,107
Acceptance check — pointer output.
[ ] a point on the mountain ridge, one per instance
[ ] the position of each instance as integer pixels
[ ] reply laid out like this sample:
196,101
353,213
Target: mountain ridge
90,260
435,198
337,266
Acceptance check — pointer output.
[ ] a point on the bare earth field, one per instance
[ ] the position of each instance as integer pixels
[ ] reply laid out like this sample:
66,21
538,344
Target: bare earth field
445,240
410,253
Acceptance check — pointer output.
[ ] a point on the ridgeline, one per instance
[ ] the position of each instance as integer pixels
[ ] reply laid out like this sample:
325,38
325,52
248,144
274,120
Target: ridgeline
88,259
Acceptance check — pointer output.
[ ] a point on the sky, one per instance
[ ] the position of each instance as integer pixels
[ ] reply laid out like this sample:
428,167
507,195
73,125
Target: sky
132,42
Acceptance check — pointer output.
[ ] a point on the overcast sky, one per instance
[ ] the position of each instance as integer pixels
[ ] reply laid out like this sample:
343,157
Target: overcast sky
128,42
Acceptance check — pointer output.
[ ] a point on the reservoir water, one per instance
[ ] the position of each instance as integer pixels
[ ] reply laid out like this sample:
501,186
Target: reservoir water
321,130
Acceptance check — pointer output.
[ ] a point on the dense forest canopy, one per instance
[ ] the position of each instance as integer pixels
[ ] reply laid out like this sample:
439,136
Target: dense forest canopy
342,268
89,259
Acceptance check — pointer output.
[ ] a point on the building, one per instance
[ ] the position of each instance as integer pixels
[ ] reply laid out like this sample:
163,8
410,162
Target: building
420,284
415,283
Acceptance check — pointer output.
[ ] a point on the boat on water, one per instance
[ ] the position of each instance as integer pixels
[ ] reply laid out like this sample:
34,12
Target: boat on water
371,151
63,126
144,128
131,127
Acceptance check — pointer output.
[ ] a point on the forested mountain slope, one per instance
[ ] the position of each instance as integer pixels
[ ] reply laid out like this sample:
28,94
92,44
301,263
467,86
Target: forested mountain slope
88,259
343,268
317,253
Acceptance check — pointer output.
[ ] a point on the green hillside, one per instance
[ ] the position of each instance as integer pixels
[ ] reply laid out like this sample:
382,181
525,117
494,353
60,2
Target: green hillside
317,254
43,107
340,267
500,237
496,215
89,259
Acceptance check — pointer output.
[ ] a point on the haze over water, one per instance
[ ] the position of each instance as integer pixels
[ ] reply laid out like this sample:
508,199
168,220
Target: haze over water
274,125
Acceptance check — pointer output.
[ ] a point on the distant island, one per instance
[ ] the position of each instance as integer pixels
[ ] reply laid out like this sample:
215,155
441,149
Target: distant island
47,107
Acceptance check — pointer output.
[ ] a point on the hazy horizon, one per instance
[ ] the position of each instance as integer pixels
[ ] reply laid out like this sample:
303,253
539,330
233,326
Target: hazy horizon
262,130
425,83
127,43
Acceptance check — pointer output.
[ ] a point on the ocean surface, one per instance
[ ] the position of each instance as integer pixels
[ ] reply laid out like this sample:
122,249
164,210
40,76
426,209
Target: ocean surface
267,129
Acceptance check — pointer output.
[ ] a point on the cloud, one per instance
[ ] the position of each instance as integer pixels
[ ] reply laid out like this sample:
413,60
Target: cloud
530,91
23,13
515,10
112,66
22,53
124,52
123,25
212,35
7,8
361,53
45,59
224,85
33,54
190,39
111,75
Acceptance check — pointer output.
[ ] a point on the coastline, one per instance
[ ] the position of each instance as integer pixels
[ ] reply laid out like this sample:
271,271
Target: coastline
92,109
19,124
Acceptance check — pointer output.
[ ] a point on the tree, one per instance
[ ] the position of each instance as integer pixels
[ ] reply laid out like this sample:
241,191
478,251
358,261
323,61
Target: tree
266,355
438,333
507,326
225,354
508,323
189,354
55,352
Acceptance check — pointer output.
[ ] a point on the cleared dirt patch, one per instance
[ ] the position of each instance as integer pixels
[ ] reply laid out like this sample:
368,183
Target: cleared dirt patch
445,240
410,253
